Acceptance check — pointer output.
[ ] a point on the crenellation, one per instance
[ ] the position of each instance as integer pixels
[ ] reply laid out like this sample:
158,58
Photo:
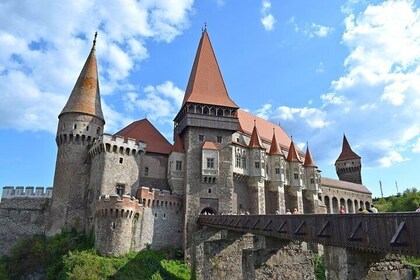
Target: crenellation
117,144
31,192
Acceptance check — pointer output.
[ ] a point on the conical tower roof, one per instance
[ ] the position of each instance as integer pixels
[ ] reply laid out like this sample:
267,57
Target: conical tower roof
309,162
292,155
178,146
255,141
85,97
206,85
274,148
346,151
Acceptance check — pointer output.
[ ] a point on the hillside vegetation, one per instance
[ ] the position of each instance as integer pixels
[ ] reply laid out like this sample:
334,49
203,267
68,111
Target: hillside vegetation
70,255
409,200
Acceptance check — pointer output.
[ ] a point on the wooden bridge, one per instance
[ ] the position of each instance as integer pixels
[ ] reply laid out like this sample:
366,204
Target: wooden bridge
397,233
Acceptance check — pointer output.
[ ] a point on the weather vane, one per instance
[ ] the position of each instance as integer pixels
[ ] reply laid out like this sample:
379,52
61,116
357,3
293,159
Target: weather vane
94,39
204,28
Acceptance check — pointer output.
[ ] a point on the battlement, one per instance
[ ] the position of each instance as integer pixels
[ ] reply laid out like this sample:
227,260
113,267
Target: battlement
159,198
117,144
26,192
116,206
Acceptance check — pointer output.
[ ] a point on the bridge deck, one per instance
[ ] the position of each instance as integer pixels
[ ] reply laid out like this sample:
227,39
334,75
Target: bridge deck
380,233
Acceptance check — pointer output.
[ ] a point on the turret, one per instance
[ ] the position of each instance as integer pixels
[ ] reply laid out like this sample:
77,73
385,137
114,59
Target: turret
257,172
176,169
349,164
295,169
277,161
311,171
80,123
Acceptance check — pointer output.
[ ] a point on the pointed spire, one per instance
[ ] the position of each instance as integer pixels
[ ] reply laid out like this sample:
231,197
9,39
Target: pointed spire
309,162
274,149
292,155
206,85
346,151
178,146
85,97
255,141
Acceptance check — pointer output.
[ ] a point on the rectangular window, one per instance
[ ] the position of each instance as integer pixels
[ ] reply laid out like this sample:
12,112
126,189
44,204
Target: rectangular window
120,189
296,176
210,163
178,165
277,170
219,139
87,128
238,161
121,160
244,162
257,165
146,171
201,137
312,181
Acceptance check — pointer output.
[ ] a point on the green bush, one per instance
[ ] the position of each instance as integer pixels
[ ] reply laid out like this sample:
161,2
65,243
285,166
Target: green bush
319,267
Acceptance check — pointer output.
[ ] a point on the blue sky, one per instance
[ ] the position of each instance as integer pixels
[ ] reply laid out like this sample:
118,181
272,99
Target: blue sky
320,69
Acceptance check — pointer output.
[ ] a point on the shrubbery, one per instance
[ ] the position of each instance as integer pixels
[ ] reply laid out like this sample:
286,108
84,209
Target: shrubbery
70,255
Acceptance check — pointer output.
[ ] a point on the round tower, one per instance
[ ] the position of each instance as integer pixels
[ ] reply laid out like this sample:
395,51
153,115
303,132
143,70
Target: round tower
80,123
349,164
116,219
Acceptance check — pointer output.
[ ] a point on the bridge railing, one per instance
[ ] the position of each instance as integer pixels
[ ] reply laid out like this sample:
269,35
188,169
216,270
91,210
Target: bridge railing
397,233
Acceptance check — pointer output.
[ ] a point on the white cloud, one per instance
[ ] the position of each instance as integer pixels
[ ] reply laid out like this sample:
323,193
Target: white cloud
267,19
313,117
317,30
332,98
390,158
320,68
160,103
416,147
264,111
43,51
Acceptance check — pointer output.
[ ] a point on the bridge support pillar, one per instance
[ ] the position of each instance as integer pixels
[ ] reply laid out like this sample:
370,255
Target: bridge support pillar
220,256
341,263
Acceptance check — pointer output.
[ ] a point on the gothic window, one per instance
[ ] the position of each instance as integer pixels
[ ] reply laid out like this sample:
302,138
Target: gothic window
146,171
296,176
244,162
277,170
178,165
210,163
120,189
219,139
201,137
238,161
257,165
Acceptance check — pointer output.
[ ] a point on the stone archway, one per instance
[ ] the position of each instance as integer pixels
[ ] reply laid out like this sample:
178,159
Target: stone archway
209,211
327,203
335,205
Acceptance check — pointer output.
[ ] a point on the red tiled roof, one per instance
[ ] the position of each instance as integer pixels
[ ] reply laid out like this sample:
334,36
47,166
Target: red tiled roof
206,85
265,128
255,141
209,145
309,162
346,151
143,130
274,148
178,146
333,183
292,155
85,97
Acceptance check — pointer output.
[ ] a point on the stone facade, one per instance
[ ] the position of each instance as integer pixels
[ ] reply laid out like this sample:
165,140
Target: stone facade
135,189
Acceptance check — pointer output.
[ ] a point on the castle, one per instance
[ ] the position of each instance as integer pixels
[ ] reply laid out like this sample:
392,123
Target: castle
135,189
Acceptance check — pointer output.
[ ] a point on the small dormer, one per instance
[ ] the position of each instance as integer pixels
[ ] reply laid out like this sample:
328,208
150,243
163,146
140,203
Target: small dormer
209,162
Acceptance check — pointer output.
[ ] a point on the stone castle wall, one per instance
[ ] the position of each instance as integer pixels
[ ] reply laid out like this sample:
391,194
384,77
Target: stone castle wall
22,213
334,197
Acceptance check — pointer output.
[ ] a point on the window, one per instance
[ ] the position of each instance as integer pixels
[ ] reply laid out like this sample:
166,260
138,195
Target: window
121,160
277,170
87,128
178,166
219,139
244,162
312,181
257,165
237,140
238,161
64,127
210,163
164,215
201,137
296,176
74,126
146,171
120,189
155,215
98,130
209,190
